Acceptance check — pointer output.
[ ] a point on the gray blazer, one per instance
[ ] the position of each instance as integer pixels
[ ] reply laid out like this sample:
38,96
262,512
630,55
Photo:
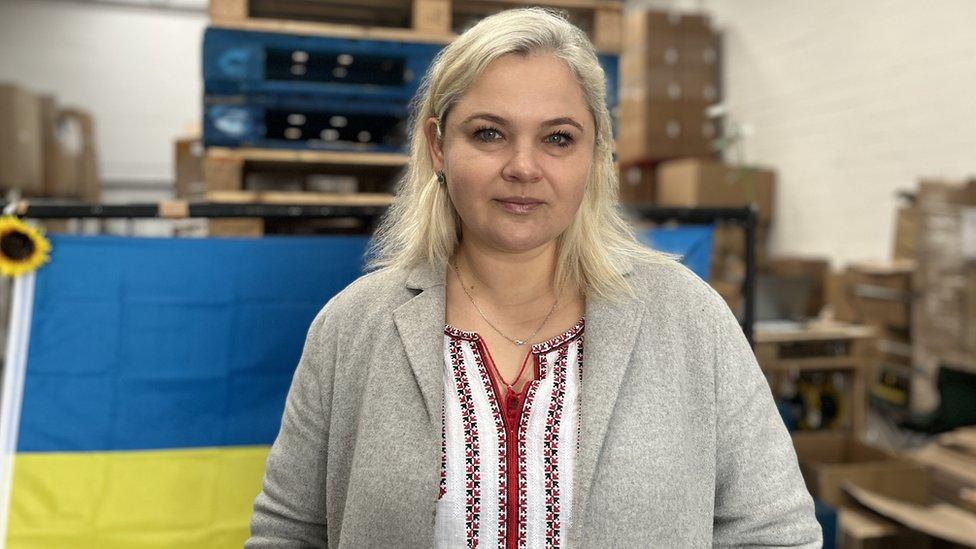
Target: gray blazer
681,444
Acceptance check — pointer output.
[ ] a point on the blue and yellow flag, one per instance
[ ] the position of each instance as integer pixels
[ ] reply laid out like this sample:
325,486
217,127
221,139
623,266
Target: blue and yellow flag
145,381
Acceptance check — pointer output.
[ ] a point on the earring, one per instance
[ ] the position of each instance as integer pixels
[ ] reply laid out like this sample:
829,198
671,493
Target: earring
441,178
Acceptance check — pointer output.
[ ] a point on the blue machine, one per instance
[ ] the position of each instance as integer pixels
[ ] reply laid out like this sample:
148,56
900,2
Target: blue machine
325,123
237,62
316,92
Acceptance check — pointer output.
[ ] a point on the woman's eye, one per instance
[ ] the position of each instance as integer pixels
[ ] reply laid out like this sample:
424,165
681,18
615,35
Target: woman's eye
486,134
561,139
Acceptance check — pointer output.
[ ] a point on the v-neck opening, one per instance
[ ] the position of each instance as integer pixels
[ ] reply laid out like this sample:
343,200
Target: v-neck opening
536,348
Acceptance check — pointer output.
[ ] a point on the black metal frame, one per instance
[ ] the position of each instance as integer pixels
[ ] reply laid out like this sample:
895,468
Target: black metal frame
745,216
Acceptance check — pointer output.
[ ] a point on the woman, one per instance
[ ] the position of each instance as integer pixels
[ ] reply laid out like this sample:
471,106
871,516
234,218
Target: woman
444,399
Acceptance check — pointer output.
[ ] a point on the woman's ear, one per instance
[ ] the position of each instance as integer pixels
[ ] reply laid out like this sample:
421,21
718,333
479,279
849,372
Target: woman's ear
434,144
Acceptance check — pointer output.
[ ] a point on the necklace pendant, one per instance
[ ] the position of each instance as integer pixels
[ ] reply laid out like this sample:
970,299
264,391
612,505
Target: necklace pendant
519,342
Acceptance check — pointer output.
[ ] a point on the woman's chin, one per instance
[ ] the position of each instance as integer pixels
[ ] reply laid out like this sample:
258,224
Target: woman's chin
517,243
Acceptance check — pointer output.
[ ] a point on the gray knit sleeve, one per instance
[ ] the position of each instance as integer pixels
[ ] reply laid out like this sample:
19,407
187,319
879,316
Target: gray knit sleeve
760,496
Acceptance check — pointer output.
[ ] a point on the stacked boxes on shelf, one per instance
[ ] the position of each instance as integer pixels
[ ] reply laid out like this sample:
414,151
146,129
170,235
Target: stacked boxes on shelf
46,150
669,75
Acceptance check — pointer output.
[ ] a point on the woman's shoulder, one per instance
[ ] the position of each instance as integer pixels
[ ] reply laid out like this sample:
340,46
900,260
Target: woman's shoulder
674,295
671,281
371,290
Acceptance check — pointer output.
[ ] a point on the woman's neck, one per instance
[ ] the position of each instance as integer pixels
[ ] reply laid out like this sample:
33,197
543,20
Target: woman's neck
508,280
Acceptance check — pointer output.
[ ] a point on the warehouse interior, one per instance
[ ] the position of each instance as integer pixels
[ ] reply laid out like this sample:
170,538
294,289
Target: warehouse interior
210,175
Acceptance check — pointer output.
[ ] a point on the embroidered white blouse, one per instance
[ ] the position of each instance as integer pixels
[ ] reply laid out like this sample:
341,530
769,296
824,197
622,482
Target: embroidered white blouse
507,478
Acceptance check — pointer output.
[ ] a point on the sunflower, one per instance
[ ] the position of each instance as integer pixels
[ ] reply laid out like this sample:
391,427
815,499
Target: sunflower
22,247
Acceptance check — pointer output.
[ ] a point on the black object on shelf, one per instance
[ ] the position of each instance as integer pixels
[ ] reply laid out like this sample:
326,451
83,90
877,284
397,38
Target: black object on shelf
179,209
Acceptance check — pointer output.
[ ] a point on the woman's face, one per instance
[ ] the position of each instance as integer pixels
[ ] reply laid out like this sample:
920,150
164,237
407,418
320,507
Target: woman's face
516,152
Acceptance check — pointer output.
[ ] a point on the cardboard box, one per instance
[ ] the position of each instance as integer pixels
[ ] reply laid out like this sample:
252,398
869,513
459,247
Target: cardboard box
188,153
21,143
656,83
699,49
699,87
828,460
647,130
642,27
697,130
78,172
51,145
70,155
637,184
607,27
709,183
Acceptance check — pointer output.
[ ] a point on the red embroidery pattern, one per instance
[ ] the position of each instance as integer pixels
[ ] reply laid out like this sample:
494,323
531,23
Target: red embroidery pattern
472,447
460,334
550,450
564,337
522,466
502,448
579,387
443,489
552,499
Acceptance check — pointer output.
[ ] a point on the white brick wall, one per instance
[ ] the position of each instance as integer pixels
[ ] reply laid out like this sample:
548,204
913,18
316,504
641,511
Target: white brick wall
851,101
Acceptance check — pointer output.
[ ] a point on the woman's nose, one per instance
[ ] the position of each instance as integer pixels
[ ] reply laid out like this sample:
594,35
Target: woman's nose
522,166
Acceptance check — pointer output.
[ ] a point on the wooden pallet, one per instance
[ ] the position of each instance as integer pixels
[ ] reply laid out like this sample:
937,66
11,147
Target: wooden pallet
255,226
432,21
229,170
314,199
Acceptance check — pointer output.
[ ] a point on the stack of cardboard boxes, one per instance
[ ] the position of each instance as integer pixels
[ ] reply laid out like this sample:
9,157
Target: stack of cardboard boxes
668,77
46,150
945,311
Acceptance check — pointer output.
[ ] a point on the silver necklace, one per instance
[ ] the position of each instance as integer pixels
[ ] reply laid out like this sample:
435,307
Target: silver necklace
518,342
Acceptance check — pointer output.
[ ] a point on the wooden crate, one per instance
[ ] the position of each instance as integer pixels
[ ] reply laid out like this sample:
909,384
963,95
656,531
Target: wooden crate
433,21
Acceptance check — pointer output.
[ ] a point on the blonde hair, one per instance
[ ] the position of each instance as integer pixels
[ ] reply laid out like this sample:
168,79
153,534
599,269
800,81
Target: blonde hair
422,225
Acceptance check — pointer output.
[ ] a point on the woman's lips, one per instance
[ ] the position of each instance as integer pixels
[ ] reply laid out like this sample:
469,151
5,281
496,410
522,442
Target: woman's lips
519,207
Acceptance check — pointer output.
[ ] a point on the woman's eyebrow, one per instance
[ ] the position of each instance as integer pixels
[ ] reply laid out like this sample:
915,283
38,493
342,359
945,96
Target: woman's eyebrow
502,122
